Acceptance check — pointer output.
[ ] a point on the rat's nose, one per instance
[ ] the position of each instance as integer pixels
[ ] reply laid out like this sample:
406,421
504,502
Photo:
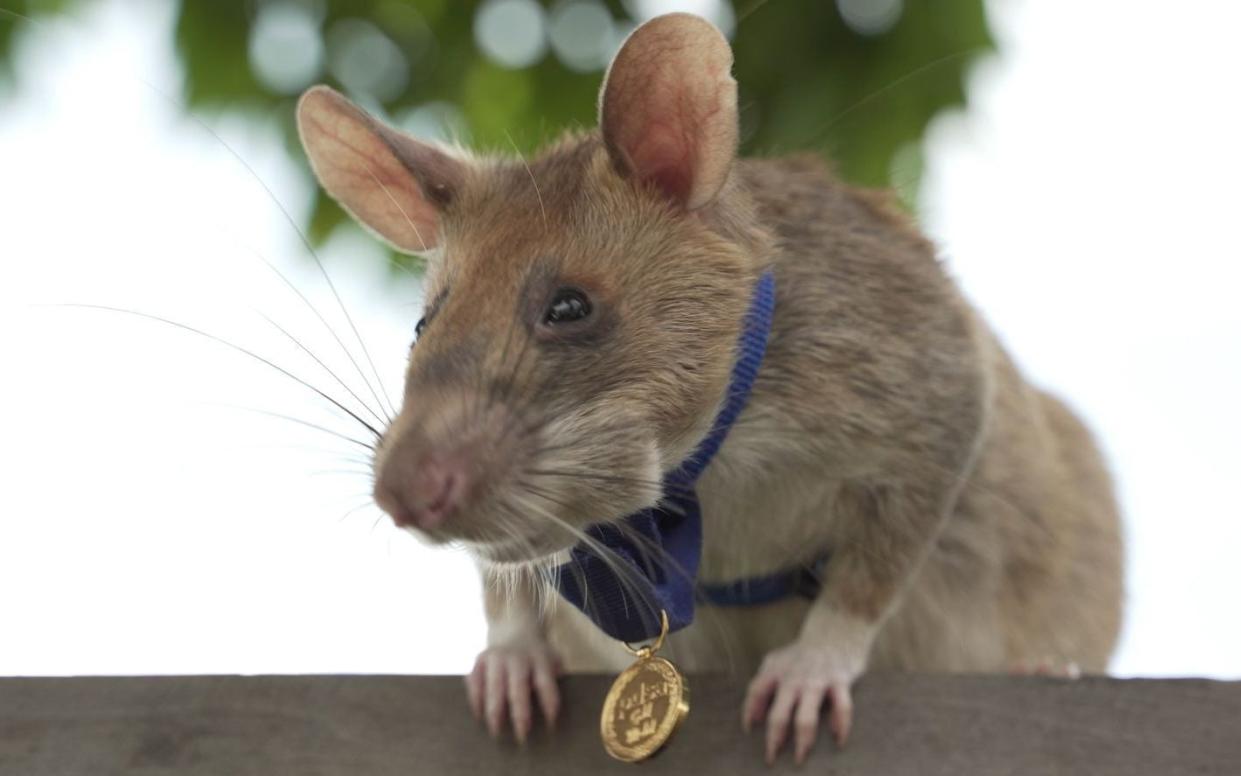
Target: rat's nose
424,496
438,487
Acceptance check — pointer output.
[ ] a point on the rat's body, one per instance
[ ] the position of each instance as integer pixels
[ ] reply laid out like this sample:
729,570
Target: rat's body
583,316
1027,568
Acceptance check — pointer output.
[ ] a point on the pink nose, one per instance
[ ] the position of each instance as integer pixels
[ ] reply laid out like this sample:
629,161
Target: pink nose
425,497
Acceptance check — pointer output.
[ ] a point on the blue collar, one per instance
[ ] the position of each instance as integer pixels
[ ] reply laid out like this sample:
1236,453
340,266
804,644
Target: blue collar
657,551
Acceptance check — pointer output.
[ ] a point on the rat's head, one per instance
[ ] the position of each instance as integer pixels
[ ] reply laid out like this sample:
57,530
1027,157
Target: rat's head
583,308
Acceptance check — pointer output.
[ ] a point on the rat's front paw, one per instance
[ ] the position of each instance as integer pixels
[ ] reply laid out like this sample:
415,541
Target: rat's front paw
800,677
504,679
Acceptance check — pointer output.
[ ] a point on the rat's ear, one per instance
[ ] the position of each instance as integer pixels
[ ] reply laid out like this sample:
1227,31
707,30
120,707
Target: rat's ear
387,180
668,109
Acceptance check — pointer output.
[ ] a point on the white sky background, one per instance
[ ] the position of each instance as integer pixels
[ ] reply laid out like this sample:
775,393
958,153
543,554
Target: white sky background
1087,202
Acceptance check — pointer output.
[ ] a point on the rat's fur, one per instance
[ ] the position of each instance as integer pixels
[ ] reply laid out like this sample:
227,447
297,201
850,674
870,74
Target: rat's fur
969,517
881,380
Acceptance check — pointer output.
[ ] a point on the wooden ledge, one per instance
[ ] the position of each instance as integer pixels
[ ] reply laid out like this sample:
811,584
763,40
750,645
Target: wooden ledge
380,725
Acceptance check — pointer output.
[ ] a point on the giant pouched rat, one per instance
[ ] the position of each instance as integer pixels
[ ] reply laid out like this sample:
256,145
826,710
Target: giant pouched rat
582,320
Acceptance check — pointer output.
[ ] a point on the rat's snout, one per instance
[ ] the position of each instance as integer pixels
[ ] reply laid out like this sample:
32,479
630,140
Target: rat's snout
424,492
439,461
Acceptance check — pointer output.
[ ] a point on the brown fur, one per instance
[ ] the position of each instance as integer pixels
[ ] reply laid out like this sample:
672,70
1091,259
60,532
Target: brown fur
969,517
969,511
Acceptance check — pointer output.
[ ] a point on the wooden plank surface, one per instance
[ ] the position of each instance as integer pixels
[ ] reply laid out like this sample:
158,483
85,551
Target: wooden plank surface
381,725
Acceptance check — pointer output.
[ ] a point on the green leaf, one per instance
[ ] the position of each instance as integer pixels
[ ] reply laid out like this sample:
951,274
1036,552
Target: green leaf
808,82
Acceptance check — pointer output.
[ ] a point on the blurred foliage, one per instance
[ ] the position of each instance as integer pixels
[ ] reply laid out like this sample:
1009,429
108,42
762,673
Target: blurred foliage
16,13
808,79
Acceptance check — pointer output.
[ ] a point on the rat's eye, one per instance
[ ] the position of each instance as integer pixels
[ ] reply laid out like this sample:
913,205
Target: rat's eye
568,305
428,312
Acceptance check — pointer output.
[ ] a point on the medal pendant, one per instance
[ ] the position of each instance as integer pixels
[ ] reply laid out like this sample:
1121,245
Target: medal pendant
645,705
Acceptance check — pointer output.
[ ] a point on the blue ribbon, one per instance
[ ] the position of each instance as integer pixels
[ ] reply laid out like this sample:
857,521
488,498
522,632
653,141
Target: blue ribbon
658,549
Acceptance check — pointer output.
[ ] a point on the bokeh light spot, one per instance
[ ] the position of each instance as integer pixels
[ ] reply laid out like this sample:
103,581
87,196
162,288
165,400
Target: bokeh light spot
718,12
512,33
870,17
286,48
366,60
435,120
409,30
581,33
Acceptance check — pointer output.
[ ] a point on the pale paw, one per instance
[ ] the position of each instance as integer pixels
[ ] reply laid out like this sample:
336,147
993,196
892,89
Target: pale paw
506,682
789,691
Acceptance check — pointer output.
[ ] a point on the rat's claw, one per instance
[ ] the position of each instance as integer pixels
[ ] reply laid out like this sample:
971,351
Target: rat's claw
806,723
546,670
504,683
518,671
496,705
474,687
842,712
757,699
789,691
778,721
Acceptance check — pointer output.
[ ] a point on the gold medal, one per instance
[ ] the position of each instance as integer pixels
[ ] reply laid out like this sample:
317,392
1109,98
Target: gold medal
645,704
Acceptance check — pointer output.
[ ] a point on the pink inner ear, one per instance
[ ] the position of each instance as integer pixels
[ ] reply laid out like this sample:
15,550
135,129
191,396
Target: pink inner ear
390,182
669,108
665,159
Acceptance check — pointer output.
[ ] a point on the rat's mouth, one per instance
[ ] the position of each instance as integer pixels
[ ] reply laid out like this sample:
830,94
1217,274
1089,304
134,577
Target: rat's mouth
543,548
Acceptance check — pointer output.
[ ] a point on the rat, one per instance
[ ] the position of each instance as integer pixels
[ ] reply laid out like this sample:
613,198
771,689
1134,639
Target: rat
582,318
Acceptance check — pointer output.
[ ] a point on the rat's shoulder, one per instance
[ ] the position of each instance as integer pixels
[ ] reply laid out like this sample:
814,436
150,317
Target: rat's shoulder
805,169
800,195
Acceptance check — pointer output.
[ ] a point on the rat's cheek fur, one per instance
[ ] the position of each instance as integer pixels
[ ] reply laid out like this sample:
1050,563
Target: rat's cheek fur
594,465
